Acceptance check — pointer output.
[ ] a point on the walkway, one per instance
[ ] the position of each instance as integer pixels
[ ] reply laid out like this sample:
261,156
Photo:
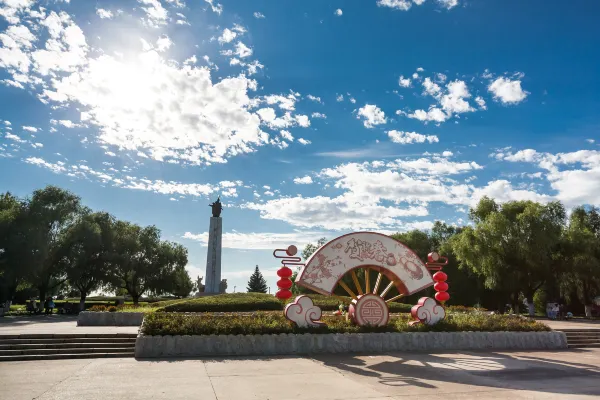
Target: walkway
573,324
54,324
532,375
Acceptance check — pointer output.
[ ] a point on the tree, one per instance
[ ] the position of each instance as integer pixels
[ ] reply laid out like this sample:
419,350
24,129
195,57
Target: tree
257,283
142,262
86,253
182,283
582,254
45,219
310,248
512,246
12,247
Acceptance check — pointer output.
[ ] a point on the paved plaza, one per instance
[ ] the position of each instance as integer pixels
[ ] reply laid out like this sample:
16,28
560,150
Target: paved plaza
569,374
464,375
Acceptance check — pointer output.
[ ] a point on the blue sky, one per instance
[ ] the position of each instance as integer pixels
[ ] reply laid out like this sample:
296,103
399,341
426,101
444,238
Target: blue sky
310,118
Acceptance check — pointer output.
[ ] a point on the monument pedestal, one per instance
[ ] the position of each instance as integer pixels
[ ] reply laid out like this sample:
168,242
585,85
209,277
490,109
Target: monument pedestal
213,256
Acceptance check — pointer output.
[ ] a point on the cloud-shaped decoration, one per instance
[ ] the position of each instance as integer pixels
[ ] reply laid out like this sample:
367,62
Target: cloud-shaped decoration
428,311
303,312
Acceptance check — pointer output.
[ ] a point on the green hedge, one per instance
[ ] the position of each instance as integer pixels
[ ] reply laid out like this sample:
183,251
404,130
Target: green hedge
258,302
227,303
275,323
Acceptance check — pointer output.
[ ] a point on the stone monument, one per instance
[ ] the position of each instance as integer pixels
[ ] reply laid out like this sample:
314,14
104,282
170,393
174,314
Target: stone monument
213,256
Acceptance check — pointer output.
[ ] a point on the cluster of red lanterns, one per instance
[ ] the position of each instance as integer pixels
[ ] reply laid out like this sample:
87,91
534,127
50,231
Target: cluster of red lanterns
435,263
441,287
285,283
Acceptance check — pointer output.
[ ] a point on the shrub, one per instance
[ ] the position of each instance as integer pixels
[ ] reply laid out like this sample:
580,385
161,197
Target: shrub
275,323
227,303
97,308
112,309
258,302
464,309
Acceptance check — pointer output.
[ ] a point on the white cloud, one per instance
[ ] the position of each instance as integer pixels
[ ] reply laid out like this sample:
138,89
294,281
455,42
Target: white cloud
163,43
352,100
304,142
306,180
287,135
14,138
431,88
454,101
56,168
404,82
104,14
259,15
314,98
411,137
339,12
447,153
448,3
318,115
156,14
227,36
242,51
480,102
569,174
259,240
30,128
216,7
403,5
433,114
66,123
507,91
590,140
339,98
372,115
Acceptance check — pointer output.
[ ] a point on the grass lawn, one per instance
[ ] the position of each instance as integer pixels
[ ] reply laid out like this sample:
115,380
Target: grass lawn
161,323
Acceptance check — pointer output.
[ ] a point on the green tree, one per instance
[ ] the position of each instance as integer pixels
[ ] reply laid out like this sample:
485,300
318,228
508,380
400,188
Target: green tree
582,254
257,283
512,246
12,247
182,283
86,253
47,216
143,263
310,248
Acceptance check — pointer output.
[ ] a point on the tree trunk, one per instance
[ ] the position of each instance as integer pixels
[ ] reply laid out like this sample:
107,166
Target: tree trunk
531,307
136,298
82,300
42,290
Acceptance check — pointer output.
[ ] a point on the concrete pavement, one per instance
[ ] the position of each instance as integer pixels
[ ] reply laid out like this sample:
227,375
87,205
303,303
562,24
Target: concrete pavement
54,324
522,375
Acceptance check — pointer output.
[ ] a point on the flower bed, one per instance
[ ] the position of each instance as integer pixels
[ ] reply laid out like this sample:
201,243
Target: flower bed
260,323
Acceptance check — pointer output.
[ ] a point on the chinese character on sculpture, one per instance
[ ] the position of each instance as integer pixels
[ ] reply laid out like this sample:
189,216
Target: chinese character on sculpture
395,268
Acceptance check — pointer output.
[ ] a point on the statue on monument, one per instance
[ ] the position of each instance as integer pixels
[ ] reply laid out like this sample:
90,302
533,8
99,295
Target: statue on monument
199,285
223,286
217,207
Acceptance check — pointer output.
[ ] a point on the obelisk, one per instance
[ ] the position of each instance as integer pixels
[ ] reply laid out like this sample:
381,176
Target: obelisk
213,256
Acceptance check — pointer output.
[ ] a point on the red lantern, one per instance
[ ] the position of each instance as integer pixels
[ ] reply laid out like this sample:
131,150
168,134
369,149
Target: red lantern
440,277
284,283
284,272
441,287
442,296
283,294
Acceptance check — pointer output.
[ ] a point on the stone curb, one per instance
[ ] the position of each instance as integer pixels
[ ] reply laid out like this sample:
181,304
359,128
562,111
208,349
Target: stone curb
293,344
87,318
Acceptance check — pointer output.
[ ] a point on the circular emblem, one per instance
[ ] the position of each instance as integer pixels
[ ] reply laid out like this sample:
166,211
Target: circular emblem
369,309
413,269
